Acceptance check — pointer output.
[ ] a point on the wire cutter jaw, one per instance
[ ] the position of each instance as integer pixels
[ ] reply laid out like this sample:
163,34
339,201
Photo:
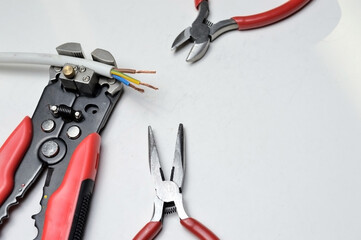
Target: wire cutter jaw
202,32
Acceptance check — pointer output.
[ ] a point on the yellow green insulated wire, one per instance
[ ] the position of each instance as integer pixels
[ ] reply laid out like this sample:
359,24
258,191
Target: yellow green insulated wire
130,79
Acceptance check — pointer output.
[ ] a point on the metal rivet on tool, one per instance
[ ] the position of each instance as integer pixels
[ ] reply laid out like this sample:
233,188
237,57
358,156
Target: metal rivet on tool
73,132
86,78
77,115
54,108
57,69
48,125
50,149
68,71
82,69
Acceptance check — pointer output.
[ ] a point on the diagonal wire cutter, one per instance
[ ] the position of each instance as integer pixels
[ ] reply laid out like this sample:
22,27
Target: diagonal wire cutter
202,31
169,196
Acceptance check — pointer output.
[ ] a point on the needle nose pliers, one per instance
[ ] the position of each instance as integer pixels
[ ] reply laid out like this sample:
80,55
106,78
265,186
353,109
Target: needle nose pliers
202,31
168,197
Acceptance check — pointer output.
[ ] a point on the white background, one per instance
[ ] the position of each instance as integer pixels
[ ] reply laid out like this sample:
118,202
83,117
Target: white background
271,116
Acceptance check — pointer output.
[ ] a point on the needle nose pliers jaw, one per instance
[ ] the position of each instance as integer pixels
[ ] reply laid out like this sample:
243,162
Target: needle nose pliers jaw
202,31
168,193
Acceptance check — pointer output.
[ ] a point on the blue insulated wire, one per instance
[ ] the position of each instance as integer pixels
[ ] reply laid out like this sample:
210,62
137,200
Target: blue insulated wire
120,79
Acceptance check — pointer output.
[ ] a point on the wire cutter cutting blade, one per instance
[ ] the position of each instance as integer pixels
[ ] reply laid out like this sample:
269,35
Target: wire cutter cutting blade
202,31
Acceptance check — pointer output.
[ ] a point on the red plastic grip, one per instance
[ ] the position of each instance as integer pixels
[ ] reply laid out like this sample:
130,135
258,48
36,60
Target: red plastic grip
271,16
198,229
62,203
11,154
149,231
197,2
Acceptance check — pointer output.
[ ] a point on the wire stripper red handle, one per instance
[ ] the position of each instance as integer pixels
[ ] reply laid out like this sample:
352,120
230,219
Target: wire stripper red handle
197,2
67,207
198,229
268,17
149,231
11,154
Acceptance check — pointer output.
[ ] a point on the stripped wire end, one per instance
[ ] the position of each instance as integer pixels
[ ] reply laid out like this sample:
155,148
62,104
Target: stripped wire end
124,77
136,88
127,83
148,85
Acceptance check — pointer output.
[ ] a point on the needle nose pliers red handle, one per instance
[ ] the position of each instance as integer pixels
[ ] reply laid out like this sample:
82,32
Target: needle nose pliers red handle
169,196
202,31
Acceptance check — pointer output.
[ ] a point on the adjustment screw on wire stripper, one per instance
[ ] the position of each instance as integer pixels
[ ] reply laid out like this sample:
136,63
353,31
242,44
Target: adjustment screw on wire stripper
68,71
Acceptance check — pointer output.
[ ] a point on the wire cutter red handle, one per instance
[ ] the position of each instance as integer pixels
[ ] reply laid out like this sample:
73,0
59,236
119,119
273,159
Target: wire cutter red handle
198,229
268,17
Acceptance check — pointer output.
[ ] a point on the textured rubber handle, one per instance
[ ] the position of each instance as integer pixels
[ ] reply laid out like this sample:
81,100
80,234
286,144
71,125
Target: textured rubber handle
198,229
149,231
67,207
11,154
271,16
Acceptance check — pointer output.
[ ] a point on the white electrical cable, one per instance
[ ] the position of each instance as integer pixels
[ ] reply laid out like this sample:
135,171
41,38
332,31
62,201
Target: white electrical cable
54,60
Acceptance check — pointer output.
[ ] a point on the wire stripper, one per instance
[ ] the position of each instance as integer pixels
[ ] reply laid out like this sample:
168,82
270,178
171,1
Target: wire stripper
63,138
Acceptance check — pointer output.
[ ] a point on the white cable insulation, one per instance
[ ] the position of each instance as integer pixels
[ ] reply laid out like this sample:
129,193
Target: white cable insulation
54,60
